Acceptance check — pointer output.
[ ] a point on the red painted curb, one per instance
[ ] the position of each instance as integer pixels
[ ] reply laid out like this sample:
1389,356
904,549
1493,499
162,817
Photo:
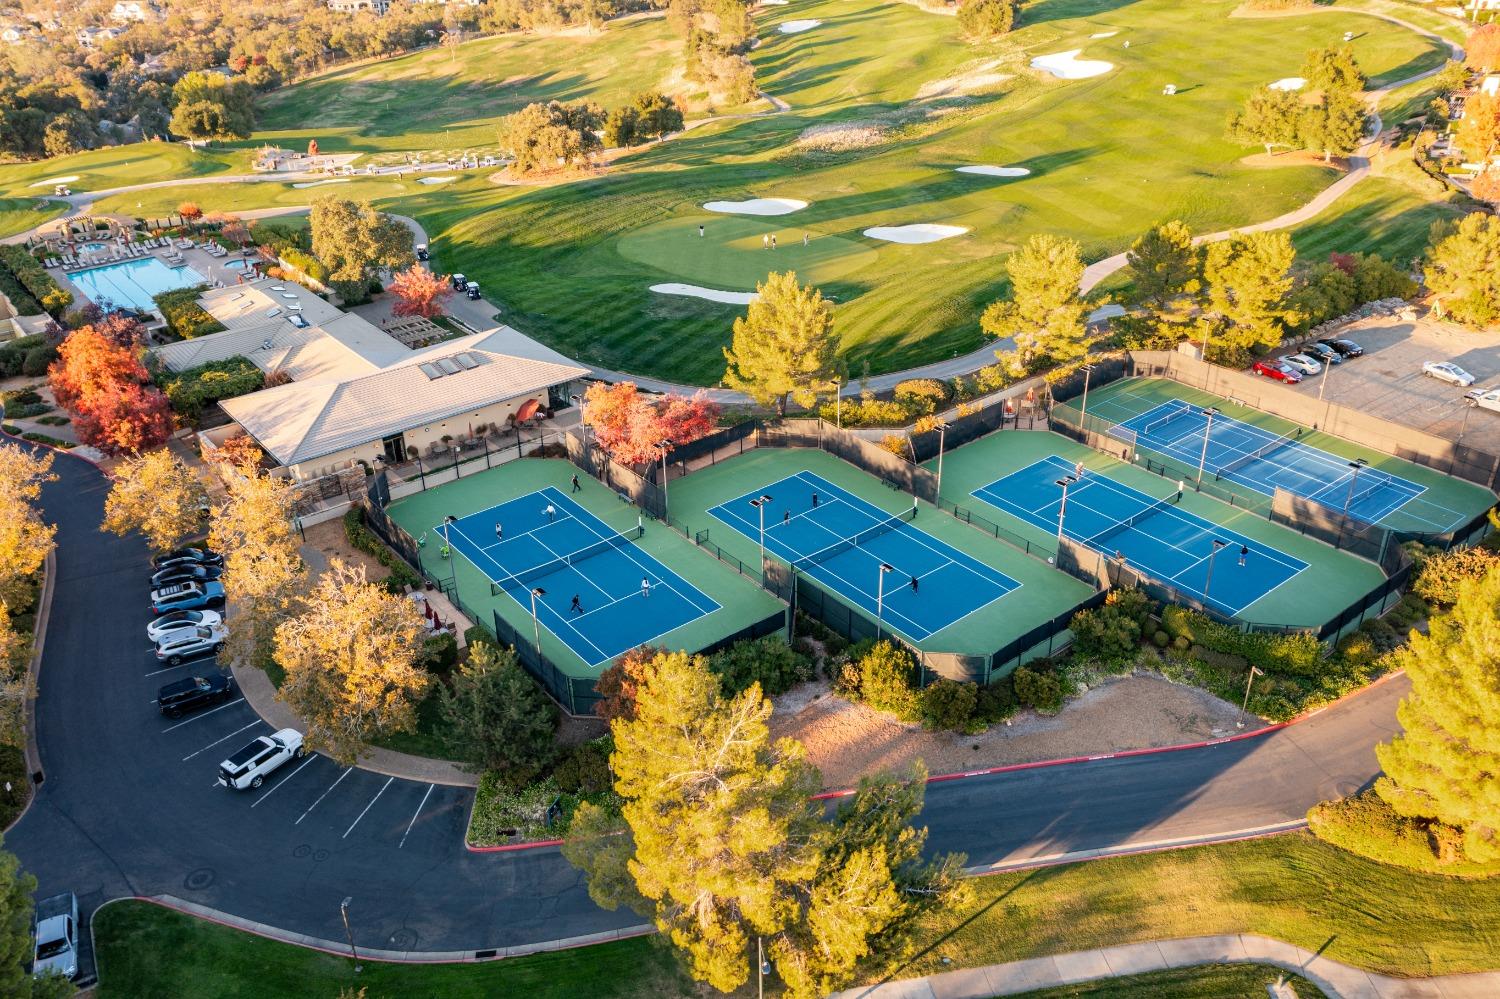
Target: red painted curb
1149,751
57,450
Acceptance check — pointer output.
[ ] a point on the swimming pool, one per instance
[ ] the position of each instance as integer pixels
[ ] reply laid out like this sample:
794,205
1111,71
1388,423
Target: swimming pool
134,283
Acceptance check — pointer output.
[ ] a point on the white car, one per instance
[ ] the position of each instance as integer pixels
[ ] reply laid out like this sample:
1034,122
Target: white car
181,621
1302,363
55,937
1447,371
1484,399
180,646
249,767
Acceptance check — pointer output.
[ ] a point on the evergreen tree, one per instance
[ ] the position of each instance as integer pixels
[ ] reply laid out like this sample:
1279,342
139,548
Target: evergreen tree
497,717
1166,269
1269,117
1044,314
1249,279
1445,765
15,928
1463,268
783,347
982,20
1333,71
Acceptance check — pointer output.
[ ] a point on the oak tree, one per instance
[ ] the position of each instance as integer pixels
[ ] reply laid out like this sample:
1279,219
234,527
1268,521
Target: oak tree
353,240
159,495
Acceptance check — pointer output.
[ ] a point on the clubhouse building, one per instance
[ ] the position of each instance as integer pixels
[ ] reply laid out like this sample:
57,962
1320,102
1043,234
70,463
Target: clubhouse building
342,390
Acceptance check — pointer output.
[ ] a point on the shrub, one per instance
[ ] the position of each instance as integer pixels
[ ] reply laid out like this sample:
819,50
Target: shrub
584,768
1111,632
361,538
925,394
868,411
308,264
768,661
1440,576
1161,639
948,704
478,634
1181,644
1367,826
37,360
35,279
880,675
1038,690
996,701
442,652
1178,622
12,354
184,316
1358,649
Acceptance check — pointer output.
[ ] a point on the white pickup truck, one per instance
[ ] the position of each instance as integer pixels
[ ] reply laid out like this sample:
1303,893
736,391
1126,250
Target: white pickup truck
56,950
1484,398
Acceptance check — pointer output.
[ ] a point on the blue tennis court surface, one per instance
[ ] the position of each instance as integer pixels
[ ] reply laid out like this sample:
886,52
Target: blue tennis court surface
1155,537
575,553
842,541
1261,460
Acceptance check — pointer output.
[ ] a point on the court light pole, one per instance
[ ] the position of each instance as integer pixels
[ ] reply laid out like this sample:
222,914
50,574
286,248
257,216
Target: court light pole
1208,582
1062,509
666,509
942,429
583,415
1083,409
344,911
760,505
1356,464
536,628
1245,704
1208,427
885,567
838,403
762,968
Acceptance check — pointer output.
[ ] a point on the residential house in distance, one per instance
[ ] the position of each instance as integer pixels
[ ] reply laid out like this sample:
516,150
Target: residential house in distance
90,37
16,33
356,392
379,7
127,11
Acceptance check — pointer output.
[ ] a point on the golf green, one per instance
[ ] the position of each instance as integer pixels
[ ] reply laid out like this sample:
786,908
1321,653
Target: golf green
732,253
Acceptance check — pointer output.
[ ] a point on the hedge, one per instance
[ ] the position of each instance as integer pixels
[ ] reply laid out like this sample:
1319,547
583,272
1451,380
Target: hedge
20,299
363,539
184,315
193,390
308,264
35,279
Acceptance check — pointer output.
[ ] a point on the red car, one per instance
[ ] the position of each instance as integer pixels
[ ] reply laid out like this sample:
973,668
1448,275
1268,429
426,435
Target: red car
1276,370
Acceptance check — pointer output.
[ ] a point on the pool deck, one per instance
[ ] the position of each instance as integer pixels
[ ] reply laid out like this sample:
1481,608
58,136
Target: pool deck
211,267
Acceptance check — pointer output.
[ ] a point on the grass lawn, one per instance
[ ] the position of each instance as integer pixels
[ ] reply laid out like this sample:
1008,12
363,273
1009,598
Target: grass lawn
1210,981
117,166
19,214
1391,212
163,201
1291,887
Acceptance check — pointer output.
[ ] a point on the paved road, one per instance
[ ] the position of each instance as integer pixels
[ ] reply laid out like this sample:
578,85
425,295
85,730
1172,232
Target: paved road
128,806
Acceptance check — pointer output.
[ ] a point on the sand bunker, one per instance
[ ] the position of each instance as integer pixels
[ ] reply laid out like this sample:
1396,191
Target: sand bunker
1288,83
757,206
922,232
774,3
320,183
841,136
712,294
794,27
1105,34
56,180
1067,65
435,180
996,171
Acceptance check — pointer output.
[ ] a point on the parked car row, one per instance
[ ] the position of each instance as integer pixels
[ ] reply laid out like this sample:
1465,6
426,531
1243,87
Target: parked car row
1311,360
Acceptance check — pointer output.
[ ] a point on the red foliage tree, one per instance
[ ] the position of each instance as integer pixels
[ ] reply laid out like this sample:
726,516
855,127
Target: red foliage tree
637,430
108,391
419,292
1486,187
1482,50
120,330
190,211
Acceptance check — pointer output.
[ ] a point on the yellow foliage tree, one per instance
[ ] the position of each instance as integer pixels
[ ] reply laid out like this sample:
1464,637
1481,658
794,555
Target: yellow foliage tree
25,539
263,569
354,662
158,495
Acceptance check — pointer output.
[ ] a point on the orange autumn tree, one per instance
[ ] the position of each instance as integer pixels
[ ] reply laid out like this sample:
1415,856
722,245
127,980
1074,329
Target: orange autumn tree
419,292
636,430
105,387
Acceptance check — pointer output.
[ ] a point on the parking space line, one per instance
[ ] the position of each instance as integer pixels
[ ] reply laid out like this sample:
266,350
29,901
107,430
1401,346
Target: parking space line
237,700
322,796
414,816
168,669
231,735
368,807
310,758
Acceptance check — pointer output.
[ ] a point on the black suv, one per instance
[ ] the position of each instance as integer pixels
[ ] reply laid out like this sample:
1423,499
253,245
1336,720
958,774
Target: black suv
1347,348
185,572
176,699
188,556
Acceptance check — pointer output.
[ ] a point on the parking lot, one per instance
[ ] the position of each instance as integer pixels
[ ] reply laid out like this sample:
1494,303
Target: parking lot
1388,382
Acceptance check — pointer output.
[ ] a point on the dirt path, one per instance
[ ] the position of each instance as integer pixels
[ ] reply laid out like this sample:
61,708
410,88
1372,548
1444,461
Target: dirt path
847,741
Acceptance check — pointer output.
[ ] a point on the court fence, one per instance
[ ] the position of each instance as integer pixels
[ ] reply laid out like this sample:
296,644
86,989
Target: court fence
1043,641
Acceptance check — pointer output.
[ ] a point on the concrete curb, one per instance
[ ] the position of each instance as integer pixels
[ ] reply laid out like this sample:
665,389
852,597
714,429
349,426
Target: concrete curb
340,949
1135,849
32,750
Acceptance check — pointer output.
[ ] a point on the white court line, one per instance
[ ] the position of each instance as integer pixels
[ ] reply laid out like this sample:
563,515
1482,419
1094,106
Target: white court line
284,780
168,669
211,745
368,807
322,796
230,704
414,816
559,557
522,534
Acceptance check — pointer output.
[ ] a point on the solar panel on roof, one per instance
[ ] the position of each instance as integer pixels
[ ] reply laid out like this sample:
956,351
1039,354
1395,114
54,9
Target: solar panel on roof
447,366
272,313
431,370
466,361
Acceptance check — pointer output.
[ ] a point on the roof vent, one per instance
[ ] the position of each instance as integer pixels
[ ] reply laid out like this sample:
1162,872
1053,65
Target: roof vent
267,344
272,313
299,321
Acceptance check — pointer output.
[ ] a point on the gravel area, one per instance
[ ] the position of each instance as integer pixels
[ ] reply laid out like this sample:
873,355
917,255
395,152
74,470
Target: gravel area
847,741
329,541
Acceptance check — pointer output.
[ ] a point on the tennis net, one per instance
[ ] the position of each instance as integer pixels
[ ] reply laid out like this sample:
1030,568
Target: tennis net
1153,426
1359,496
1098,539
529,575
855,540
1240,461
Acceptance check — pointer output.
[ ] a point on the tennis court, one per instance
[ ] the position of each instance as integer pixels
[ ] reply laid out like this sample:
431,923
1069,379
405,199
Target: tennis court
1224,569
571,555
1263,461
881,563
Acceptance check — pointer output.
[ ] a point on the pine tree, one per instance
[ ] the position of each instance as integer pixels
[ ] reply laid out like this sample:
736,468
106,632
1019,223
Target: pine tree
1463,268
1333,71
1249,279
1269,118
1166,269
1446,763
1044,314
784,345
15,927
497,717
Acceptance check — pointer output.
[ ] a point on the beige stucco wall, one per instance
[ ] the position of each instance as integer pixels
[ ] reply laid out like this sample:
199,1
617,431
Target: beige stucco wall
418,437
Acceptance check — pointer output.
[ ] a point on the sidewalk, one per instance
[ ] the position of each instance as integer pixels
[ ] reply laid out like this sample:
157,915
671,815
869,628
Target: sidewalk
1336,979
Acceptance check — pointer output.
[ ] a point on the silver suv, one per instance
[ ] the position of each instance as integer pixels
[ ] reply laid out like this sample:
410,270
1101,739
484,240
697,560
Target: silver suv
177,647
